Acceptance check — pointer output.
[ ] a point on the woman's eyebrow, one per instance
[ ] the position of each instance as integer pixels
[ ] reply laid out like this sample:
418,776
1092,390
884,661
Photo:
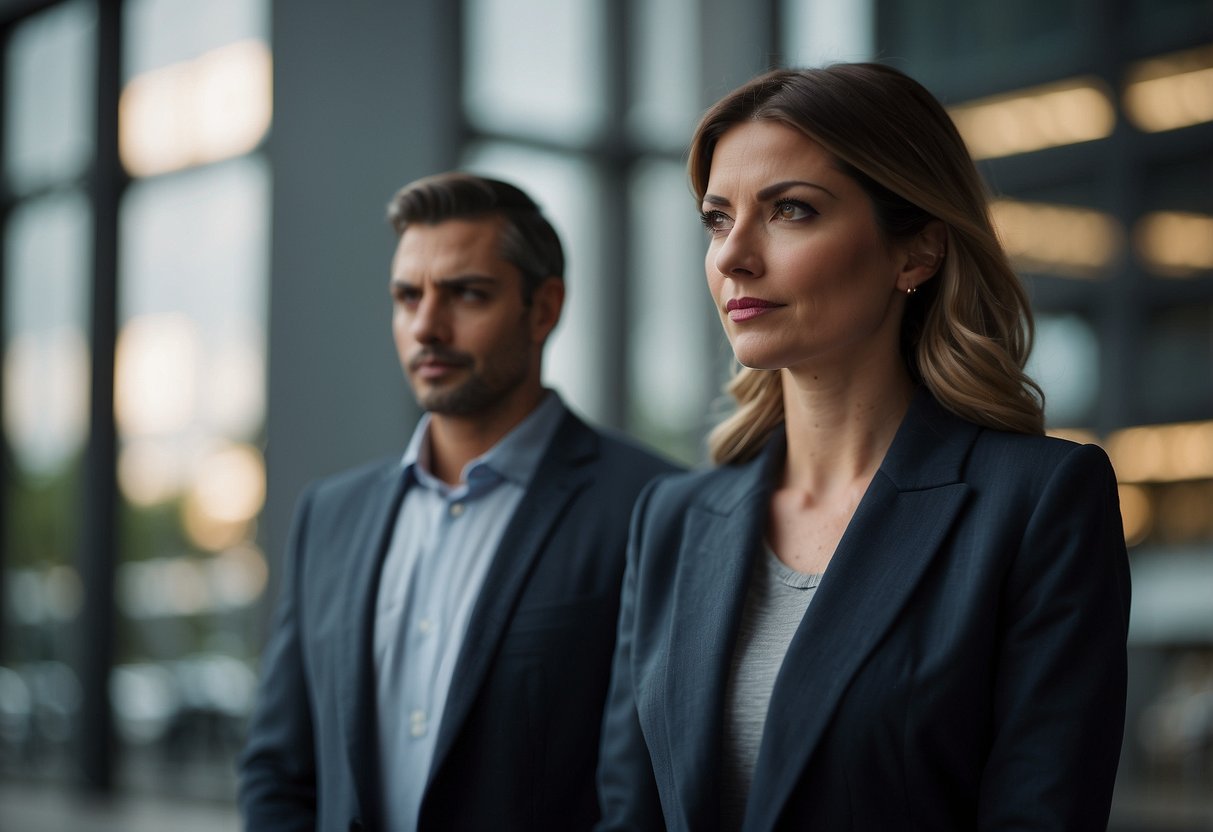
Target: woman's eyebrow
779,187
771,191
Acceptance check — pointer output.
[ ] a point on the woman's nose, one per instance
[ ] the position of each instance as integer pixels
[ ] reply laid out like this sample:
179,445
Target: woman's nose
738,255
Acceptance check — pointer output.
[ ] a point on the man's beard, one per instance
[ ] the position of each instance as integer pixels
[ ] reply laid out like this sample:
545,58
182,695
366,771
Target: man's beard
481,390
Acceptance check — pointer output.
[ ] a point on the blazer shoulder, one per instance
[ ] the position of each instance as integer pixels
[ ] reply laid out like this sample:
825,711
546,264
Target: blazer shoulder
353,483
1032,461
614,453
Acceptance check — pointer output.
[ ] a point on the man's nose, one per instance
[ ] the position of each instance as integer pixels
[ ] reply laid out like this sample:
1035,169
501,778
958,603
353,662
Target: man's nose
430,324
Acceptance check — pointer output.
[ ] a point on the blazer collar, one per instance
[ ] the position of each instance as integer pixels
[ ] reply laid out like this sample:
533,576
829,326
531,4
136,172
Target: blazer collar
368,545
894,534
562,472
895,531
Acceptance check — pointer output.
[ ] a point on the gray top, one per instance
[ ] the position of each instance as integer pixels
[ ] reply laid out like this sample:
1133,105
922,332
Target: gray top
775,603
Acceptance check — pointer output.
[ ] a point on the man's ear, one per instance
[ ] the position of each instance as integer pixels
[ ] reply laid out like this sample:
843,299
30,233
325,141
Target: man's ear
923,256
547,300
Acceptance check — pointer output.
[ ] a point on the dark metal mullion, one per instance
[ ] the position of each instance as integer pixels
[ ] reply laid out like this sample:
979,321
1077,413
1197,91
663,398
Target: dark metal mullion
614,226
98,557
6,207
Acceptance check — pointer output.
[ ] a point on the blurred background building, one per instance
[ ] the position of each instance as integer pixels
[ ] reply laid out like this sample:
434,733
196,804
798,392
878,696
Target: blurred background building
195,311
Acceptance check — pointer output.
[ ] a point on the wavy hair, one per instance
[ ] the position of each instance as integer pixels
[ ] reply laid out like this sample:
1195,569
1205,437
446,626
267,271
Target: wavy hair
967,333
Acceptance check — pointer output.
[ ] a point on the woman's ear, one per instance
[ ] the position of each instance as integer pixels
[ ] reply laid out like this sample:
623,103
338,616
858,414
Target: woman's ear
924,256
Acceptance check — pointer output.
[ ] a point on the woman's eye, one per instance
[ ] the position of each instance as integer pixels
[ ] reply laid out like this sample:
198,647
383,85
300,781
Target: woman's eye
715,221
791,209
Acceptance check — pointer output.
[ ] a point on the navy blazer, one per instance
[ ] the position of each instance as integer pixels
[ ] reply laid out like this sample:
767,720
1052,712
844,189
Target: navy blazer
961,666
518,742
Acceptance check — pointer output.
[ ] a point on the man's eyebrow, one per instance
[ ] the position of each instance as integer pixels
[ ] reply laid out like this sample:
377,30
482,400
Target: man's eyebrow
459,281
770,191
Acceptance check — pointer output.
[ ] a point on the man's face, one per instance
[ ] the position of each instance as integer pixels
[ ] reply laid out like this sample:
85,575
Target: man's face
467,342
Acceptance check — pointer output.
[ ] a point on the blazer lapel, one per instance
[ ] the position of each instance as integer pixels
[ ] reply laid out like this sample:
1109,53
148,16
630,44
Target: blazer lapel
892,537
368,544
560,475
724,531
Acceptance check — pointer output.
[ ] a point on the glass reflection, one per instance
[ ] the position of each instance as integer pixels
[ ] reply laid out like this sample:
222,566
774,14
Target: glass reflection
535,67
49,97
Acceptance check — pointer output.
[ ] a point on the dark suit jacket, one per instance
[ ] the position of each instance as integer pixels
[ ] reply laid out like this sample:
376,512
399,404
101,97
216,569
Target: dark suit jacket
518,741
961,666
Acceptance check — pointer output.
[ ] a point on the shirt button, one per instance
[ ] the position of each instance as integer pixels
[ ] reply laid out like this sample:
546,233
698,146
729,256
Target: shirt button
456,509
417,723
424,625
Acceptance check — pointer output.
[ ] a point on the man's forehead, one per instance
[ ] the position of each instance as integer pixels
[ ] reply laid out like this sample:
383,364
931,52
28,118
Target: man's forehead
449,247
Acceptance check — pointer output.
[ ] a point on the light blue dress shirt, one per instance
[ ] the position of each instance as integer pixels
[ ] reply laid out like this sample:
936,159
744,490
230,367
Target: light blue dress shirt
434,570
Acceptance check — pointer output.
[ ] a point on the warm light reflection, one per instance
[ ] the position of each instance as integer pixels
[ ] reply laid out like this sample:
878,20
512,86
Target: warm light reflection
1172,91
1184,511
155,375
1175,243
227,492
216,106
1135,512
233,387
46,397
1066,112
1058,239
1163,453
190,585
149,472
238,576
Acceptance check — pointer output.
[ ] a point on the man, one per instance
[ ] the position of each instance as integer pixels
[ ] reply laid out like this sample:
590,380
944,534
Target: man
442,645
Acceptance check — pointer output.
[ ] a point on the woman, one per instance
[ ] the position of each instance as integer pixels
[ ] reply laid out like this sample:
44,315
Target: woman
894,604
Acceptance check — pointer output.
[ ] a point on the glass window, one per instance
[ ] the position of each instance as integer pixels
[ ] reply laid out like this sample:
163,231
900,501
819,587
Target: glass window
664,106
1176,381
567,191
190,404
46,382
816,32
49,97
161,32
675,348
189,391
535,67
1065,363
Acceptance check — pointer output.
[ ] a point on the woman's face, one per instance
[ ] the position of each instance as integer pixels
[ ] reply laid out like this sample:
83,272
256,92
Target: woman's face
801,275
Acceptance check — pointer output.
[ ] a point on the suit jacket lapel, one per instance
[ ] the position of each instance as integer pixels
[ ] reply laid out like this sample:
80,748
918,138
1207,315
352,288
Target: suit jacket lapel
892,537
724,531
368,544
560,475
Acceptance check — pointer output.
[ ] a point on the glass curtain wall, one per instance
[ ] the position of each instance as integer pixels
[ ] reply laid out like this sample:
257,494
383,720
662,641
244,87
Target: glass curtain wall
189,384
47,232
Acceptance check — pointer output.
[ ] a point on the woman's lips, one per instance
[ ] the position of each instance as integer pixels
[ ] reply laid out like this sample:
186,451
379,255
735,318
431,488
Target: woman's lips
743,309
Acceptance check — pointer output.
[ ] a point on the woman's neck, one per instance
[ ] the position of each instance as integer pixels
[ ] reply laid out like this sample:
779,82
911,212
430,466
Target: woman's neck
840,426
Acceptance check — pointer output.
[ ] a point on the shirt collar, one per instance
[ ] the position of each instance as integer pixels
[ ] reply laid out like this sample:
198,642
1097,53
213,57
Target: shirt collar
515,456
